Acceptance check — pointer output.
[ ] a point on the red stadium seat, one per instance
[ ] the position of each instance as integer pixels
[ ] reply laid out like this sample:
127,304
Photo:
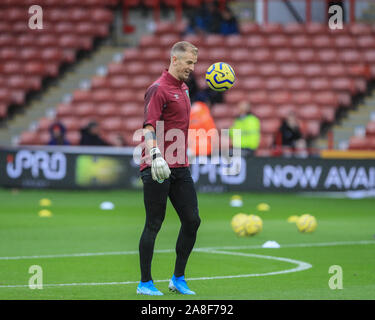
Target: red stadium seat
222,111
365,41
328,113
3,110
335,70
305,55
370,129
313,70
249,28
310,128
71,123
344,84
85,109
284,55
214,40
270,28
167,40
315,28
255,41
270,126
319,84
322,41
358,29
251,83
64,110
290,70
107,109
283,110
301,41
98,82
358,143
327,55
219,54
293,29
133,123
269,69
233,97
120,81
29,138
266,141
73,137
296,83
100,95
302,97
278,41
247,69
350,56
309,112
195,39
277,83
223,123
141,82
235,41
325,98
101,15
130,110
344,42
279,97
111,124
261,54
240,55
258,97
264,111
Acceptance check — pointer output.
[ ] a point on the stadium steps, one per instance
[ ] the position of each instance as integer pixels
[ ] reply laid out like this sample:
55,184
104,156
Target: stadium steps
77,76
354,124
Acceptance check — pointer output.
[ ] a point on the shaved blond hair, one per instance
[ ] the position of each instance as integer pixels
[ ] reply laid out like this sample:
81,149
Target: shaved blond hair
182,47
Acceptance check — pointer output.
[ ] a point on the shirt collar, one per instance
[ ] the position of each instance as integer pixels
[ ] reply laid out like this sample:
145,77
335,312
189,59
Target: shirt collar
171,79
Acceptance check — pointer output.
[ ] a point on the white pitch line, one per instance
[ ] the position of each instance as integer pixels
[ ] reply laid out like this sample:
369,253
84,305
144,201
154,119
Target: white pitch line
110,253
300,267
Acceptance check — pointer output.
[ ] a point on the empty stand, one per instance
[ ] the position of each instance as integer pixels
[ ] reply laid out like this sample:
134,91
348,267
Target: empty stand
28,56
279,68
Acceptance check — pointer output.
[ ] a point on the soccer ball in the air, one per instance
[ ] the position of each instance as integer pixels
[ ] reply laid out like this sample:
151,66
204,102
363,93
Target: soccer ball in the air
306,223
246,225
220,76
253,225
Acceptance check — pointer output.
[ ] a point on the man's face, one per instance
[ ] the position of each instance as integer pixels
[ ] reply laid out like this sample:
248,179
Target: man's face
184,64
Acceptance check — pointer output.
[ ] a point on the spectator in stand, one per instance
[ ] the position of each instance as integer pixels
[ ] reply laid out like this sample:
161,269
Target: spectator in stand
205,95
57,131
201,121
205,19
249,125
291,136
228,24
90,135
191,82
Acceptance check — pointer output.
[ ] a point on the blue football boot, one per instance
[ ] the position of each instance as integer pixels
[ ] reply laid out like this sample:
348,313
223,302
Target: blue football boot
178,284
148,288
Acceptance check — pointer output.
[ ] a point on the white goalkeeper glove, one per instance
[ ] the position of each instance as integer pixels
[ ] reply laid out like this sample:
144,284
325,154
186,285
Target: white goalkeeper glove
159,167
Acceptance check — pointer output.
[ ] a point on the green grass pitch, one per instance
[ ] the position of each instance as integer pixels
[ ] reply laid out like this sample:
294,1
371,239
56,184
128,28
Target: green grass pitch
87,253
